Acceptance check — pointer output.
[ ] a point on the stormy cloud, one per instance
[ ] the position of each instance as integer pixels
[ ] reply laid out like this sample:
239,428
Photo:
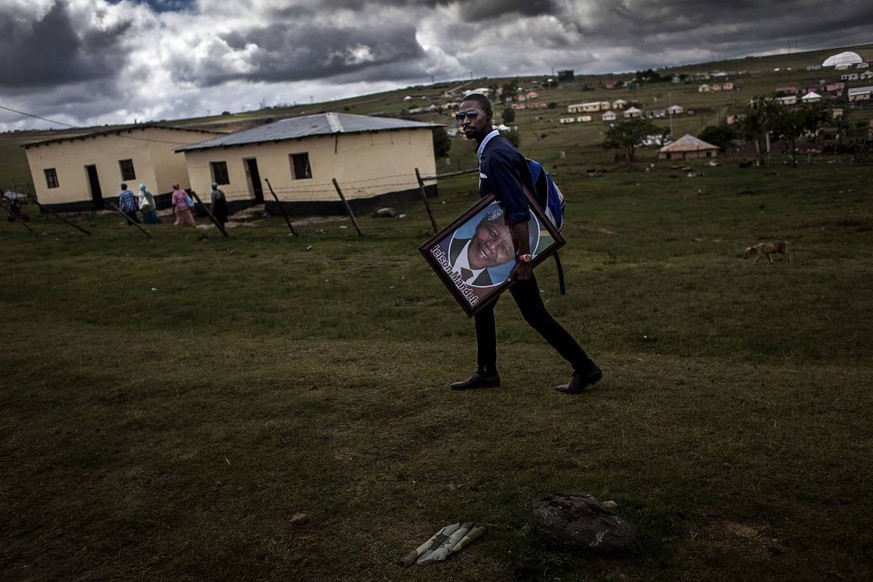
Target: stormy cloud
85,62
54,49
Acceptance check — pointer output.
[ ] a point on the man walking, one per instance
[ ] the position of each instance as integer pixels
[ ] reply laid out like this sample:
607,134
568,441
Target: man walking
504,172
127,203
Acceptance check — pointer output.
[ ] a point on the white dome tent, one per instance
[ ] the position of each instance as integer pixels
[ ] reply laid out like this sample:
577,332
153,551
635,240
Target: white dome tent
845,58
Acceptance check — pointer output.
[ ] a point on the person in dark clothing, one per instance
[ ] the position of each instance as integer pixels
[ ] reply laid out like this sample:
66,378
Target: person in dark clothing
218,208
10,200
504,172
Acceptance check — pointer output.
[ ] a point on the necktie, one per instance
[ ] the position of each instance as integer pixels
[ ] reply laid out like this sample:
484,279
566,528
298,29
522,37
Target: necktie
466,274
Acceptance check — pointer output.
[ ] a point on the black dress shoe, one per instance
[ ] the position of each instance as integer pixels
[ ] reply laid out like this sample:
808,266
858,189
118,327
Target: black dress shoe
580,381
479,380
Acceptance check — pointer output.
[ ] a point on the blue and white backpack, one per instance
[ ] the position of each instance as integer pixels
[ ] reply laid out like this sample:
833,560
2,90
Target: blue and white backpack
551,201
547,194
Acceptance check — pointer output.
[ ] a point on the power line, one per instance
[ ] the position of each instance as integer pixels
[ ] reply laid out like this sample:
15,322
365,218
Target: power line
76,127
35,116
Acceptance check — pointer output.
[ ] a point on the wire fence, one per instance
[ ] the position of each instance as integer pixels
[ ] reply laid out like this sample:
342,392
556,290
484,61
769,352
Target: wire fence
20,185
361,188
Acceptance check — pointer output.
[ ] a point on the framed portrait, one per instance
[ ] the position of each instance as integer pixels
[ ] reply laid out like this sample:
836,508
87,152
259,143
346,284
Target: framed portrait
474,255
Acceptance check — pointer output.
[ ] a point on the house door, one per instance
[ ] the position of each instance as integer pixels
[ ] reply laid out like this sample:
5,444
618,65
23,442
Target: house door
94,185
254,180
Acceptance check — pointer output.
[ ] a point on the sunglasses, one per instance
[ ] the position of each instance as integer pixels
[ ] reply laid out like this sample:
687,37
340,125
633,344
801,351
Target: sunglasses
472,114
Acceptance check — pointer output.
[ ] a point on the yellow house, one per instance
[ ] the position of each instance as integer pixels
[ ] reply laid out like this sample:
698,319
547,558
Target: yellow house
372,159
85,171
591,107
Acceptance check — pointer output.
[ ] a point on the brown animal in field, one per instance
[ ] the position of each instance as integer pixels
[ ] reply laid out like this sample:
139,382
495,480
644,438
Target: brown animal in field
778,247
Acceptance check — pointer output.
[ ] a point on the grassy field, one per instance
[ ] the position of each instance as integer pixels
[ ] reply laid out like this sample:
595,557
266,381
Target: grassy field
170,404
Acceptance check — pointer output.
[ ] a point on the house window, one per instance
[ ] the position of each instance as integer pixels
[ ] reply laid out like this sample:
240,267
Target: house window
300,166
127,172
51,178
219,172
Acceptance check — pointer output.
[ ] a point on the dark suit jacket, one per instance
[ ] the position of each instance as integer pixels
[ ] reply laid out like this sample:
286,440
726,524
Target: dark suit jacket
484,278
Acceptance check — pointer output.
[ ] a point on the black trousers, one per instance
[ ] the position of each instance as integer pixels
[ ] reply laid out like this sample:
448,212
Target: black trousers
527,297
220,211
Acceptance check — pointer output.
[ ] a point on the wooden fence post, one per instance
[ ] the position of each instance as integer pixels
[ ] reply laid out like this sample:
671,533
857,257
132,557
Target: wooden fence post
424,197
348,208
209,214
16,217
61,218
127,218
279,204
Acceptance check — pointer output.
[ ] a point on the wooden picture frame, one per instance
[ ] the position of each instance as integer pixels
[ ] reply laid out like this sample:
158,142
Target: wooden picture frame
477,287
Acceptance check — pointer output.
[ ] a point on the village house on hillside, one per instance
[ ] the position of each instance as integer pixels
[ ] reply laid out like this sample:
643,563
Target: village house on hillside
823,86
373,159
84,172
591,107
713,87
687,147
860,93
632,113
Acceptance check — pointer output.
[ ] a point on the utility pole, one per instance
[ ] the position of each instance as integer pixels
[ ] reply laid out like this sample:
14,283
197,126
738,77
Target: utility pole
670,111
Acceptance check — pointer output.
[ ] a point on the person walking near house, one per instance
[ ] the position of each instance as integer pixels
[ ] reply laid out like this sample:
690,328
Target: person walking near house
181,208
218,208
147,206
127,203
9,199
504,172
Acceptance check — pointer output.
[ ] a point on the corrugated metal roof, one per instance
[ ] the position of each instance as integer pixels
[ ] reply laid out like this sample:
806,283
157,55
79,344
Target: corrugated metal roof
688,143
114,131
308,126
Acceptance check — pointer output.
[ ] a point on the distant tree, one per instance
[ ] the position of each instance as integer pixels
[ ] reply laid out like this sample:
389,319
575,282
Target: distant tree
513,137
759,119
766,119
626,136
508,90
508,115
441,143
720,135
650,76
794,122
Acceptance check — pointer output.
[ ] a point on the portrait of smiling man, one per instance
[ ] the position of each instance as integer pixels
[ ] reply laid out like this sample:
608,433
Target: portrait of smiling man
490,246
504,172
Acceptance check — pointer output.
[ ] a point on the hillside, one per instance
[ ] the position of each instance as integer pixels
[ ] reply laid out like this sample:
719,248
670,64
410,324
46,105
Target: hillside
542,134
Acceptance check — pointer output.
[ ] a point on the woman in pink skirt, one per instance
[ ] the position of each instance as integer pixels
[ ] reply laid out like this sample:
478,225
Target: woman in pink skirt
180,205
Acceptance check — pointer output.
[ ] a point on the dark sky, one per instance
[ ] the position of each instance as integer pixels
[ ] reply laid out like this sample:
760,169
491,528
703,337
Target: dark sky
85,62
